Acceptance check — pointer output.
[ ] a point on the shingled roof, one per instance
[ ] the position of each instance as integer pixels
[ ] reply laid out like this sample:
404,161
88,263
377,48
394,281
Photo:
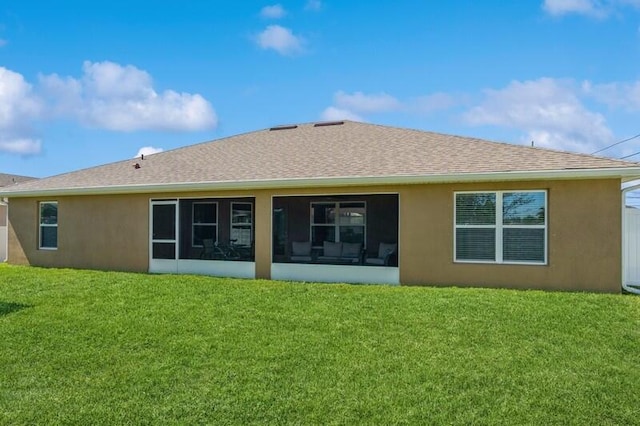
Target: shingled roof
328,154
7,180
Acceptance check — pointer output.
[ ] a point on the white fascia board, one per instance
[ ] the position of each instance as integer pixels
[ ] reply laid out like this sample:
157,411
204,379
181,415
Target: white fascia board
630,173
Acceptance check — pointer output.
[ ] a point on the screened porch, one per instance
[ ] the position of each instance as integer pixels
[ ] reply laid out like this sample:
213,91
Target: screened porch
351,238
203,235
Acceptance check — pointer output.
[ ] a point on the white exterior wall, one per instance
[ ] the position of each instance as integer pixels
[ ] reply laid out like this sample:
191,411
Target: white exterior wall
631,251
3,243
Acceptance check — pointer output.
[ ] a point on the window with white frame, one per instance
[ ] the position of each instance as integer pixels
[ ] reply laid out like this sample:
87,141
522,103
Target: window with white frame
342,221
48,225
241,223
501,227
204,222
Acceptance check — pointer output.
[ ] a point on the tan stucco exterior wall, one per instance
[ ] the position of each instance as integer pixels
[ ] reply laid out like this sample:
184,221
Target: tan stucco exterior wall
263,234
3,215
584,238
95,232
584,234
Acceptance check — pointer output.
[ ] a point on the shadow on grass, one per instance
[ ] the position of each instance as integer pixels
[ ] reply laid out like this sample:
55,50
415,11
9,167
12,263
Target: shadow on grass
7,308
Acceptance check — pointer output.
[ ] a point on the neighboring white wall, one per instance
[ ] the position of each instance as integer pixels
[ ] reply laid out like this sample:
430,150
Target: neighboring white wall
631,250
3,243
4,230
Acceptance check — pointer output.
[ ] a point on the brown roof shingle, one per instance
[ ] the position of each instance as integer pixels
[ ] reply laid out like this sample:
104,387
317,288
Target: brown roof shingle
7,180
308,152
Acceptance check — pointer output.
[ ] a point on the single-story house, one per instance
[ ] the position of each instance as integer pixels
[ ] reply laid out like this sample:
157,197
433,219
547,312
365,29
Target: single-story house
337,202
6,180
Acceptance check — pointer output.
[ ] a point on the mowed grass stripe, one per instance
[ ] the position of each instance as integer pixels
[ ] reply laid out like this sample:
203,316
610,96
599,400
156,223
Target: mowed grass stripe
83,347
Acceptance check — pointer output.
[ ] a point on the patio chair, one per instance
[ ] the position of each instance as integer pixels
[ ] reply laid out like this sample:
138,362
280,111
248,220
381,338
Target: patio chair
338,252
301,251
352,252
208,249
386,255
331,251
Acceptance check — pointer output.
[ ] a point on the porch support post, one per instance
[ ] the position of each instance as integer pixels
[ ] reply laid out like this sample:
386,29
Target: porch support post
263,234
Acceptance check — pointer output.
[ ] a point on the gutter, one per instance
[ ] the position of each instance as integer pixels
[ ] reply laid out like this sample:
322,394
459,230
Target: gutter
626,287
626,174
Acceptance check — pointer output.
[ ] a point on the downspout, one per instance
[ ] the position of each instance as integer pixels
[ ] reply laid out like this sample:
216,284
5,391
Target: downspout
625,286
5,202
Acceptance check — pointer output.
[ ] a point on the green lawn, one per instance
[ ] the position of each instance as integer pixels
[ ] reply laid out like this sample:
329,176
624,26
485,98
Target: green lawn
86,347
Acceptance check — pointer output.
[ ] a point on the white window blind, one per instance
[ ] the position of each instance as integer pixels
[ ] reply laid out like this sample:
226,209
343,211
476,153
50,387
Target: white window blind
501,226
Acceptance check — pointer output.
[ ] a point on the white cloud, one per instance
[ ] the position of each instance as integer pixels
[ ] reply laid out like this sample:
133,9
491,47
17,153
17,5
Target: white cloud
563,7
122,98
624,95
334,114
17,101
23,146
352,105
108,79
65,94
280,39
434,102
593,8
108,96
363,103
19,108
548,111
275,11
314,5
148,150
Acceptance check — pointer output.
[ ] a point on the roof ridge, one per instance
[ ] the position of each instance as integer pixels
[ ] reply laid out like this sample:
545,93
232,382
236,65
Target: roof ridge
16,176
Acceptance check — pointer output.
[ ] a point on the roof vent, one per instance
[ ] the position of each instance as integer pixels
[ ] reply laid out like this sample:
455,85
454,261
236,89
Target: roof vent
329,123
285,127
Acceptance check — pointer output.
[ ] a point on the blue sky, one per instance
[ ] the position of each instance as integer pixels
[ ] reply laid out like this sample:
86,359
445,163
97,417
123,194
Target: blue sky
87,83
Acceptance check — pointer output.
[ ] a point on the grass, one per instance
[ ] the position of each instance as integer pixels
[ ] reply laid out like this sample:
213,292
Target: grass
87,347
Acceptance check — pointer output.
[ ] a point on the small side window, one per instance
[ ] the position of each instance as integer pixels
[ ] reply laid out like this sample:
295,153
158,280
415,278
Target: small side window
48,225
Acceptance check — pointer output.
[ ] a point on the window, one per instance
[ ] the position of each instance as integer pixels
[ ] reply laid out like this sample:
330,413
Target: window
204,222
48,225
241,223
501,227
338,222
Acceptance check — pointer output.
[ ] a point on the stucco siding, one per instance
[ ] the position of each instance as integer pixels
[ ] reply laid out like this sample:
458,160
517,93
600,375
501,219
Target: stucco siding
23,230
263,235
583,216
3,215
584,238
96,232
